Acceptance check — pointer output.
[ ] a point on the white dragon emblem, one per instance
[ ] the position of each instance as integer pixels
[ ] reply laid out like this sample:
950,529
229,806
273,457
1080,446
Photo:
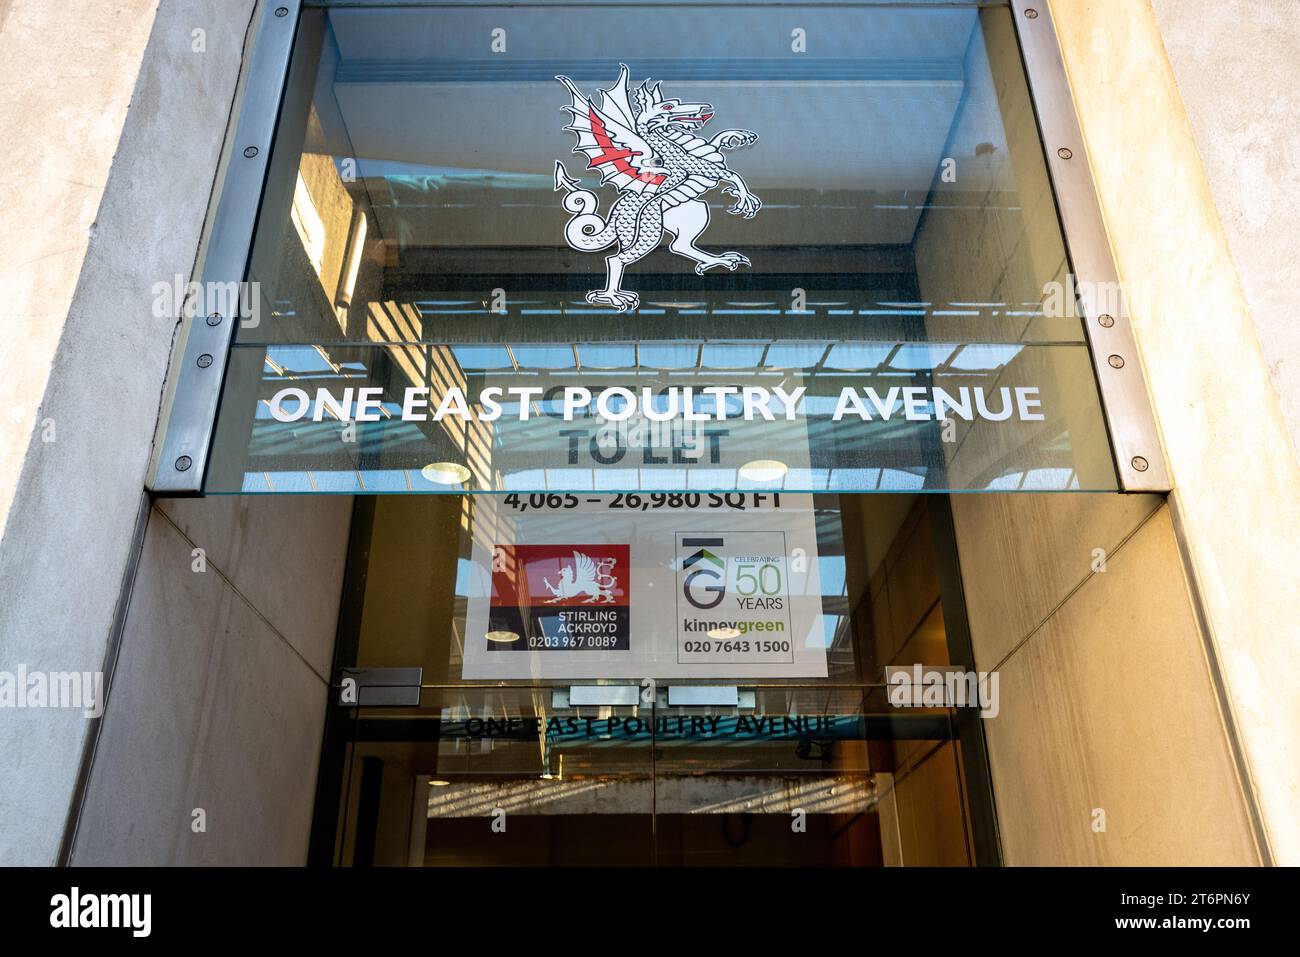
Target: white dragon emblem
584,577
661,168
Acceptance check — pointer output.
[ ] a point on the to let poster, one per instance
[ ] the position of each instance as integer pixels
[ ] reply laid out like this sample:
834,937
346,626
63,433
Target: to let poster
645,585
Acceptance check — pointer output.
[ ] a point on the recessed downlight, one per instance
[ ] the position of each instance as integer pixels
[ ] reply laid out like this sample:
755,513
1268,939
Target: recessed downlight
763,470
724,634
439,783
445,473
503,637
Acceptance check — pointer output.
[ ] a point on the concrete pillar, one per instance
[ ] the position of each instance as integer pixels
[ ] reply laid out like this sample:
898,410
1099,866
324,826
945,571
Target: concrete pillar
1235,472
114,119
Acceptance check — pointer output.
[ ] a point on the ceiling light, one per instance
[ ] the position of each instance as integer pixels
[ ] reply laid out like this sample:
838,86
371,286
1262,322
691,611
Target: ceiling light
724,633
763,470
439,783
503,636
446,473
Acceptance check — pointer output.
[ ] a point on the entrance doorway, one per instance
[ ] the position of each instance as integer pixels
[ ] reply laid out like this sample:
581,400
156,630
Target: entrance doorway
573,767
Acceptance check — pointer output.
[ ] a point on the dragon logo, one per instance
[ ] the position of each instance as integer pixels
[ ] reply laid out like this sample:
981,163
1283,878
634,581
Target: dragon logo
650,151
584,577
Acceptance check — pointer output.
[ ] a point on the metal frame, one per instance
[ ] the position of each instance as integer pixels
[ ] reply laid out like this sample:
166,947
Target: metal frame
1126,403
968,724
186,428
324,848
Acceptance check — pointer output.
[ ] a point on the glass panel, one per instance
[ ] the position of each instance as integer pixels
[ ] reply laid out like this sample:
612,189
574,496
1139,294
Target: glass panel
644,715
490,776
828,589
811,778
869,294
792,777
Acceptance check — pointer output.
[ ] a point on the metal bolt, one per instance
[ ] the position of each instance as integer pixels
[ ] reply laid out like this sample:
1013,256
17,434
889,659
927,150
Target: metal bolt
214,320
183,463
205,360
1116,362
1064,153
250,151
1106,320
1139,463
281,11
1031,14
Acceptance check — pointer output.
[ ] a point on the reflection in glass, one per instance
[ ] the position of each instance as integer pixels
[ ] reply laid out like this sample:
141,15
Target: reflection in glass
620,783
411,242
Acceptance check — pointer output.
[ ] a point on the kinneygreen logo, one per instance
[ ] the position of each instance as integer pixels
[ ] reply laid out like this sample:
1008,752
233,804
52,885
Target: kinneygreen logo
739,627
705,567
53,689
75,909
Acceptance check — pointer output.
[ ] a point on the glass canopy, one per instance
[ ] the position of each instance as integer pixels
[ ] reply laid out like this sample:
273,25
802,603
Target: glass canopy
640,247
